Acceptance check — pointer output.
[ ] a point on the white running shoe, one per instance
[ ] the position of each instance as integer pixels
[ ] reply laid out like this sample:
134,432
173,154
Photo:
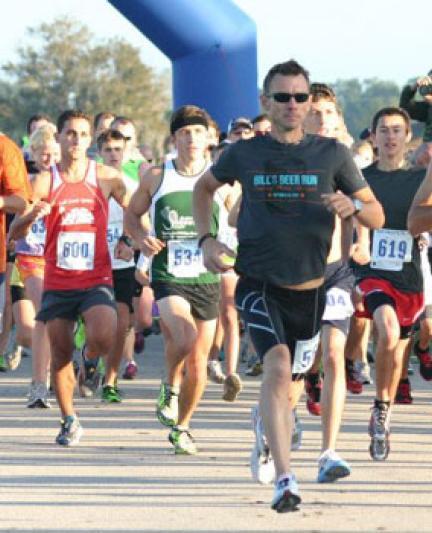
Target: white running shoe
38,396
214,372
261,462
286,495
362,373
297,432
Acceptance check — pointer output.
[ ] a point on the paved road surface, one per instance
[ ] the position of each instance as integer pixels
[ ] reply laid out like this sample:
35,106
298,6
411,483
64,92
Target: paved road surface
124,476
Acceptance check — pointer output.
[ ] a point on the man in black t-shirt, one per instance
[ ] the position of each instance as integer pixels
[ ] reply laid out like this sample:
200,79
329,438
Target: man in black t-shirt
289,202
391,284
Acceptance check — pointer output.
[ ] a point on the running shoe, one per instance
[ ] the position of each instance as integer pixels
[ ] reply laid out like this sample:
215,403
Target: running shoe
26,352
3,364
70,432
352,383
89,376
286,495
331,467
139,342
379,432
182,441
403,393
130,371
297,432
313,384
110,394
254,366
361,372
167,406
13,358
214,372
232,387
425,358
38,396
261,463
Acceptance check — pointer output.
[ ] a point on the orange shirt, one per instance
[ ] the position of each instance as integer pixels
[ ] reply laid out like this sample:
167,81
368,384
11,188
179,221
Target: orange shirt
13,180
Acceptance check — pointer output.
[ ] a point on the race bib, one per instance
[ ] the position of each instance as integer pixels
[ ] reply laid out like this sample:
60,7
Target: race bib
304,354
391,249
185,259
75,250
338,305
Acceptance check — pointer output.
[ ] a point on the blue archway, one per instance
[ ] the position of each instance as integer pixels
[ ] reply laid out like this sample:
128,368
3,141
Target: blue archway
212,47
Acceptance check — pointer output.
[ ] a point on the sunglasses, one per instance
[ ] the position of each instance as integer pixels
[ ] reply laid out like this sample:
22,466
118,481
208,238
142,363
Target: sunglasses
283,98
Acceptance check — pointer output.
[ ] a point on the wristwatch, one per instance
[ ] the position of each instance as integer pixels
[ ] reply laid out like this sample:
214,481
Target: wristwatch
358,206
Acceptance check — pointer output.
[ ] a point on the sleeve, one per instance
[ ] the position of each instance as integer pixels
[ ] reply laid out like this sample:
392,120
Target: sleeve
14,179
226,170
416,110
348,178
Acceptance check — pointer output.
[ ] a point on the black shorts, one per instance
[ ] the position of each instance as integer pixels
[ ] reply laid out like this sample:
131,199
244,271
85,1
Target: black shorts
274,315
71,304
339,284
18,293
203,298
124,286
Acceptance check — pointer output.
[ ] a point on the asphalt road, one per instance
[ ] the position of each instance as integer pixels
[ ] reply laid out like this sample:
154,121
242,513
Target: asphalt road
124,476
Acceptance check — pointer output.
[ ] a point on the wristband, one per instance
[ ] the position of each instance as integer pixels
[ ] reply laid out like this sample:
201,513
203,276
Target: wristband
126,239
204,238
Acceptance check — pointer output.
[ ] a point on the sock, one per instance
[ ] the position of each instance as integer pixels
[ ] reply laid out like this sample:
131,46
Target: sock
381,404
405,380
421,350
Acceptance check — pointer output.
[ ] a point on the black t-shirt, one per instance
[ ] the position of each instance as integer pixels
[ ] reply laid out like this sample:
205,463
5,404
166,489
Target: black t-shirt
284,230
395,190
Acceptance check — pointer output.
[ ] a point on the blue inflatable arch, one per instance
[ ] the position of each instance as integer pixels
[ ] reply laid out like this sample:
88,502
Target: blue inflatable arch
212,47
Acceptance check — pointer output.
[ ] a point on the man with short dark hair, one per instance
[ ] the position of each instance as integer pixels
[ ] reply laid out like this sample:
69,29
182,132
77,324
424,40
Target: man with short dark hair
78,279
289,203
240,128
391,283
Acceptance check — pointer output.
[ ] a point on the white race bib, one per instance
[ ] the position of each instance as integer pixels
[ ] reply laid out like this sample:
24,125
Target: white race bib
185,259
76,250
304,354
338,305
391,248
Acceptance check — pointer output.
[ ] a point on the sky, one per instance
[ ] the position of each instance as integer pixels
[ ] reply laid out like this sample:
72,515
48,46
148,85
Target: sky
335,39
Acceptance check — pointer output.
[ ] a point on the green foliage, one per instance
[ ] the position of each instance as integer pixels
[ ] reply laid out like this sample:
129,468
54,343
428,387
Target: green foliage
62,66
361,100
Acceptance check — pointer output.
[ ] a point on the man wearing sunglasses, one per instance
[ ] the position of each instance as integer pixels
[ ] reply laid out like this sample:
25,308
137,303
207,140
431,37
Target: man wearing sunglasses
289,202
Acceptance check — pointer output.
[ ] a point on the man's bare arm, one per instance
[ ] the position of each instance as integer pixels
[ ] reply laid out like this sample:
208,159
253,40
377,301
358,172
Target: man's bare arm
371,215
420,213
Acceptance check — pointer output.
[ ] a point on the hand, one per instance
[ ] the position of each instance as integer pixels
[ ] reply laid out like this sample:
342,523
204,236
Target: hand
360,254
424,80
213,255
123,251
40,210
340,204
151,246
422,242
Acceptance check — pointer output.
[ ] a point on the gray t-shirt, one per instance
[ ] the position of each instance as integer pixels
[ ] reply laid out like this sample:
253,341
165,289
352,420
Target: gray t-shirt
284,229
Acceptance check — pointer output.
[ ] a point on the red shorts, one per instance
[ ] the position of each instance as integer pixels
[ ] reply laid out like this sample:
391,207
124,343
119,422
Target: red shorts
408,305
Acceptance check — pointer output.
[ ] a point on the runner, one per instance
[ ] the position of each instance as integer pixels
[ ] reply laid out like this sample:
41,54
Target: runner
111,146
391,284
187,295
285,225
77,277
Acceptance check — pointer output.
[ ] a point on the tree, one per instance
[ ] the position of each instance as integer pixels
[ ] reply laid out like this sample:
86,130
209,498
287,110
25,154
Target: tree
62,66
361,100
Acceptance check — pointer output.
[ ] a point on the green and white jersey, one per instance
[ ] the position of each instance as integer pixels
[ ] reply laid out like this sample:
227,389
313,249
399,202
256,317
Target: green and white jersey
171,215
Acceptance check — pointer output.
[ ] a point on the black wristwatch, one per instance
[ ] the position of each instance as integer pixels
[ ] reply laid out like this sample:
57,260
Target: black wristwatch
204,238
126,239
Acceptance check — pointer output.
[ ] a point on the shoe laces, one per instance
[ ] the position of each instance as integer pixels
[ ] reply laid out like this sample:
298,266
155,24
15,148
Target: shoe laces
380,416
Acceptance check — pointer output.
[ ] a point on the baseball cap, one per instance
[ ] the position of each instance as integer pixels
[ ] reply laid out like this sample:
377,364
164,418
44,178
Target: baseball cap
240,122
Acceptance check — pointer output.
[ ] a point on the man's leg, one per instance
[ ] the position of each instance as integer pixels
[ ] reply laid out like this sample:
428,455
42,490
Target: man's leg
60,333
115,353
195,379
331,466
101,326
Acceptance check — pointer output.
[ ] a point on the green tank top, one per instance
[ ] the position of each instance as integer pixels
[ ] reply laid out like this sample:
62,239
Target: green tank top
171,214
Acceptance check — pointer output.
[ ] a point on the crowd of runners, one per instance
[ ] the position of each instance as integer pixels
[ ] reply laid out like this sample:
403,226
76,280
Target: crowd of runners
283,240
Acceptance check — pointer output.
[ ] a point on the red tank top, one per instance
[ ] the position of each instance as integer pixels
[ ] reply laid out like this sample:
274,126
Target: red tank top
76,249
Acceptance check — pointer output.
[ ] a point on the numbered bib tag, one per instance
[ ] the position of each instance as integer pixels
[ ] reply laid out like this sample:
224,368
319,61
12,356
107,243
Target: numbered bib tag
338,305
391,249
185,259
75,250
304,354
